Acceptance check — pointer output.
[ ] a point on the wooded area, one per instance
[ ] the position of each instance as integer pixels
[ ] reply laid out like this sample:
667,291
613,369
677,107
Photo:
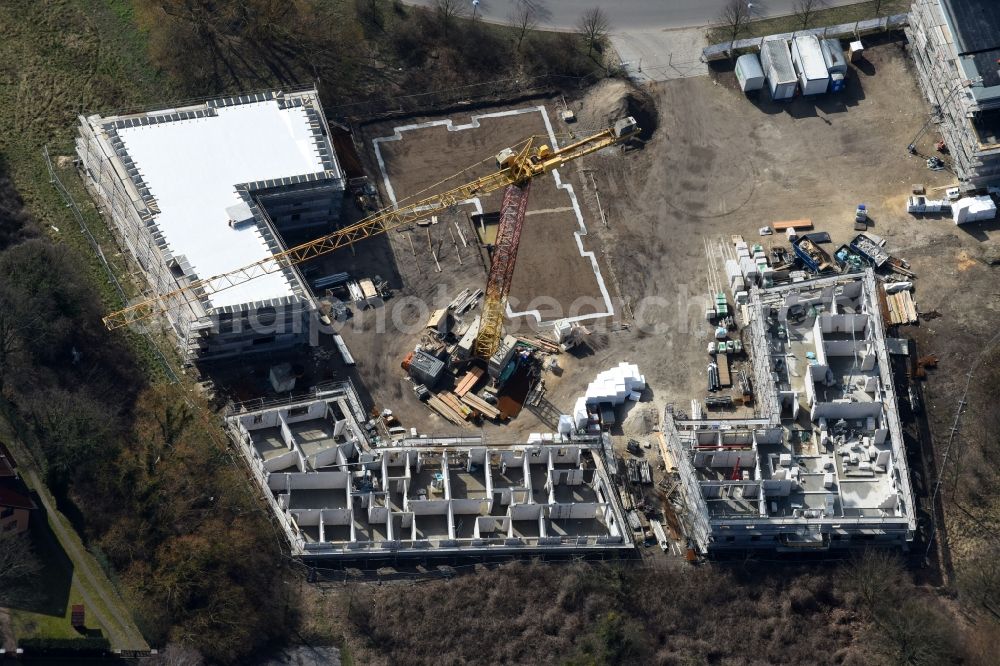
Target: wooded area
863,611
151,485
366,50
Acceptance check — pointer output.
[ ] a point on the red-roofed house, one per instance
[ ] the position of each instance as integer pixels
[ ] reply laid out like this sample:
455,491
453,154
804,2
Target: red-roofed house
16,504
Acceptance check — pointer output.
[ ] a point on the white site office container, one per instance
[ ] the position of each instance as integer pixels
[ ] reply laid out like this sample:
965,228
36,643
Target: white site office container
833,54
776,62
807,55
749,74
836,63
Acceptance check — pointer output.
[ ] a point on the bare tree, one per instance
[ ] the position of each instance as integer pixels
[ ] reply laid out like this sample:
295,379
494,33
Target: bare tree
915,632
10,342
594,27
979,580
449,11
176,654
18,566
371,13
734,18
878,578
525,17
806,10
13,329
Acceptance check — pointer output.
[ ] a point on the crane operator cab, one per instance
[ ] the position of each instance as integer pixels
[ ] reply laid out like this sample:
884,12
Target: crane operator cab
625,127
505,158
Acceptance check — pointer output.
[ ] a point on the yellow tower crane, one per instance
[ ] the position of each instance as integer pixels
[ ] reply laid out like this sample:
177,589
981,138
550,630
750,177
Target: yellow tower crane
514,168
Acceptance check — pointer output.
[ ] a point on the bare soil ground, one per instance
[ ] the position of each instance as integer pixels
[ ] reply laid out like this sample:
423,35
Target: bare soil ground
552,279
551,274
719,163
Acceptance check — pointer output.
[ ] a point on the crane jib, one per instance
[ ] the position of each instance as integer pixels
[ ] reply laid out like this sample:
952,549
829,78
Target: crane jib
527,164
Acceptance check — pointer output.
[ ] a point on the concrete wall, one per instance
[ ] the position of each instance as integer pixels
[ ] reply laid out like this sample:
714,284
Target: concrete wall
845,410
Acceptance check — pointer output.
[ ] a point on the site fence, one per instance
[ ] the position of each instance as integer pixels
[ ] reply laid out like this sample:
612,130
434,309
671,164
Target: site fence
321,573
856,29
499,91
641,559
70,202
342,385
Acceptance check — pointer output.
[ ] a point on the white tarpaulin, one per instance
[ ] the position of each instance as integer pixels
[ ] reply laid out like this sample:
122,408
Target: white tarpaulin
973,209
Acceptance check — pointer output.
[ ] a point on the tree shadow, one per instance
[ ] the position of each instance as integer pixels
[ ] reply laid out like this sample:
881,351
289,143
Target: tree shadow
863,65
48,592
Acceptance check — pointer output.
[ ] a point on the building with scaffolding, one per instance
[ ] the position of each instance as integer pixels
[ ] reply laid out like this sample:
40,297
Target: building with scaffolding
337,496
201,190
956,48
824,464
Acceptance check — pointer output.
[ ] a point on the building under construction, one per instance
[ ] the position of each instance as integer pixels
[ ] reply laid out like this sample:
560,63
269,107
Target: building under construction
956,47
823,465
337,496
198,191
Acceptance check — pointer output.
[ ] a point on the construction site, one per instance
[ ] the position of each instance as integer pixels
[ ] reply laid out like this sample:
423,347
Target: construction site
668,322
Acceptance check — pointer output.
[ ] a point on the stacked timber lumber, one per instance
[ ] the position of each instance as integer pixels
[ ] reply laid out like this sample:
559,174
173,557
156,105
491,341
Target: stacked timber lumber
486,409
883,306
541,344
444,409
452,401
722,361
792,224
668,458
902,309
468,381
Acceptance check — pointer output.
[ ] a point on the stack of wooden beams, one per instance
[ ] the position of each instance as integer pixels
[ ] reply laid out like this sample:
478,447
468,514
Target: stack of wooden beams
447,409
541,344
792,224
452,401
486,409
468,381
902,309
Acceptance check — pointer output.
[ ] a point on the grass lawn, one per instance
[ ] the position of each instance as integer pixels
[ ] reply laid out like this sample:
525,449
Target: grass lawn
824,17
46,614
73,57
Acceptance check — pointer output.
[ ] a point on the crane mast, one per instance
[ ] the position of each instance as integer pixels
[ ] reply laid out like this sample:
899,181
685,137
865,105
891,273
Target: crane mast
512,211
514,168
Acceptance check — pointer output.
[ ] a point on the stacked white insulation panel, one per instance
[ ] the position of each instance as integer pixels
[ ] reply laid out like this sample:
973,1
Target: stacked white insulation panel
615,386
735,276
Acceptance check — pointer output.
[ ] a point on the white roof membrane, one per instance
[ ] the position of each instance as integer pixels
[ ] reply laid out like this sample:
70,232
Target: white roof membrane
192,168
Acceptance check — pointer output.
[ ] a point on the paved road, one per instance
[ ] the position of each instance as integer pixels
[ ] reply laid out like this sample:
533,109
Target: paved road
634,15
